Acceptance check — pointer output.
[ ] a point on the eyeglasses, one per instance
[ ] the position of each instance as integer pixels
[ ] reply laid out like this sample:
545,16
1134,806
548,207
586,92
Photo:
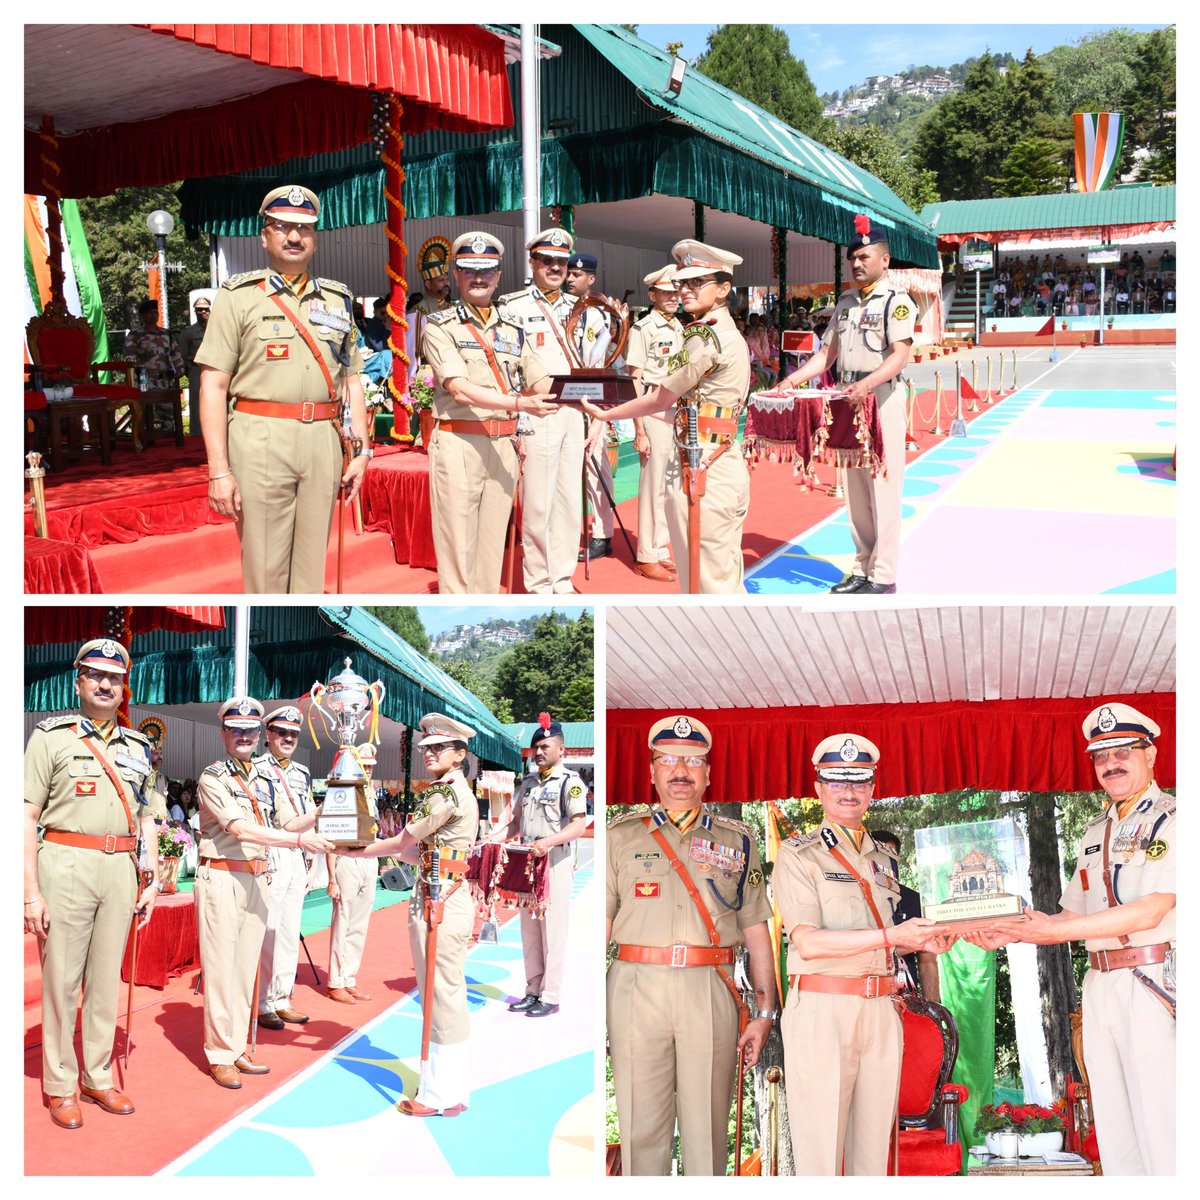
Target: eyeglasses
286,227
480,272
673,760
1120,753
284,735
547,261
437,750
843,786
101,677
694,285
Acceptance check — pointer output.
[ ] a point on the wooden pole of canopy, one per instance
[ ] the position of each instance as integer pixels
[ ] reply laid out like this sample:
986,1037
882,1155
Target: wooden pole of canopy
54,236
392,147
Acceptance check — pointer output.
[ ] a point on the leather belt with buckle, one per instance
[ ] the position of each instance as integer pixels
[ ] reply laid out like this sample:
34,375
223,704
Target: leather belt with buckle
306,413
109,843
678,955
1127,956
247,866
867,986
490,428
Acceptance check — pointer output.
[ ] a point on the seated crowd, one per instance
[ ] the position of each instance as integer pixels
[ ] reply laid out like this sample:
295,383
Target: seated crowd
1036,287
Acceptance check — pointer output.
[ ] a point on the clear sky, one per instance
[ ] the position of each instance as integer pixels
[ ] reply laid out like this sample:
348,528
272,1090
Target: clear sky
839,56
438,618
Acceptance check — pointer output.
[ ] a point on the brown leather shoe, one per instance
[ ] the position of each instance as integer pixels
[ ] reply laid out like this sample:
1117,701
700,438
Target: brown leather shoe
226,1074
358,995
290,1014
341,995
110,1100
64,1112
654,570
669,563
413,1108
248,1066
270,1020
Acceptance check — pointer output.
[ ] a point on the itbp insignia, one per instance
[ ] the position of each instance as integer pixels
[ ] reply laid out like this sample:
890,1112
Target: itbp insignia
901,311
1156,849
576,791
755,878
677,360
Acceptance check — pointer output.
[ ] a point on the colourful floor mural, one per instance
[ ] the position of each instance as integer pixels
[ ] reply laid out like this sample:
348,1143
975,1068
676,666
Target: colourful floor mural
1027,501
531,1110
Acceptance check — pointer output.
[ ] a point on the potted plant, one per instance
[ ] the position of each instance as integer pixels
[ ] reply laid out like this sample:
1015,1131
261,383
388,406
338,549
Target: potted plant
420,395
1040,1129
174,840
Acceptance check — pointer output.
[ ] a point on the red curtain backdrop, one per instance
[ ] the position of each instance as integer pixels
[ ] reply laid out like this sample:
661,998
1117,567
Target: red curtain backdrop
81,624
766,754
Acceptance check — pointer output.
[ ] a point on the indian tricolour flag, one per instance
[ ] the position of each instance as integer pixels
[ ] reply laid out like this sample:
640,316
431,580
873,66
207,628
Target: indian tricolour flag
1098,141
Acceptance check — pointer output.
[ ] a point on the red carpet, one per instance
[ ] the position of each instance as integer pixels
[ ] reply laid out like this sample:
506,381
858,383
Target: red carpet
178,1103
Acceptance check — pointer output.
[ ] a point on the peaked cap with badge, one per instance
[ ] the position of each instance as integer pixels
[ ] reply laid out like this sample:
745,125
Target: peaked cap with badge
693,259
477,251
680,734
286,717
866,234
1111,725
439,728
102,654
241,712
552,242
663,279
546,729
845,758
583,262
291,203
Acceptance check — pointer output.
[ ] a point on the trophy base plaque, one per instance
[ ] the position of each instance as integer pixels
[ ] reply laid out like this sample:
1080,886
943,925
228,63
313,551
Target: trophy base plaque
345,816
977,913
600,387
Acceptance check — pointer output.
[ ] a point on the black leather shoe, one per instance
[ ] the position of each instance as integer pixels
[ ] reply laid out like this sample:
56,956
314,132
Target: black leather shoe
598,548
852,583
523,1005
269,1021
870,588
538,1009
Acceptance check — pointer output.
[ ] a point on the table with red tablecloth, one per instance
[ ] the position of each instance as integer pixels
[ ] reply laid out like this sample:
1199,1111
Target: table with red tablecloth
773,422
54,568
169,945
395,499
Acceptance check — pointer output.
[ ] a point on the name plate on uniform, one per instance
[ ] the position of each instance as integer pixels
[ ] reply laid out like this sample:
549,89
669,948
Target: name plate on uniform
601,388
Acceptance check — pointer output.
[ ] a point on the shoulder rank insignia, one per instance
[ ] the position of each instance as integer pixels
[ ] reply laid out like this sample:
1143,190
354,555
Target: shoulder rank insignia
447,314
243,277
134,735
729,822
802,841
636,815
334,286
57,722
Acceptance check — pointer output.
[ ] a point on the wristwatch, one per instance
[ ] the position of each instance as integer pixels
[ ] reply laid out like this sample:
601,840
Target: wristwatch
365,452
770,1013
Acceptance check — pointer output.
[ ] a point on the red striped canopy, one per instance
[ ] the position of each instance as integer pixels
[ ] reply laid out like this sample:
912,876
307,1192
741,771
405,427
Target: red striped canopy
81,623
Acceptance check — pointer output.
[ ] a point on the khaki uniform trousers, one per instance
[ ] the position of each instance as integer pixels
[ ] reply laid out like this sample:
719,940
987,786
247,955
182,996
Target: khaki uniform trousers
231,910
1129,1047
602,511
873,505
281,942
451,1023
678,1063
357,879
288,473
472,481
723,509
545,941
551,502
90,896
654,536
842,1070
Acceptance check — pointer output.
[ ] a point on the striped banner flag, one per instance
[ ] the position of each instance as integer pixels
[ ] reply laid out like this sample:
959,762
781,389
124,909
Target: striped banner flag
1098,141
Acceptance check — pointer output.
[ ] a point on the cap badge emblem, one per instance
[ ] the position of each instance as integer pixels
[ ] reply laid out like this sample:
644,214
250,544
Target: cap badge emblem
682,727
296,196
558,238
109,649
849,751
1107,720
478,246
244,708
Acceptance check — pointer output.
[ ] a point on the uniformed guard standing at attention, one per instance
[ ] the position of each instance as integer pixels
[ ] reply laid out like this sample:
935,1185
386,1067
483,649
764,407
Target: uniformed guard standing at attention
85,785
280,345
684,890
552,472
352,886
842,1036
868,343
433,261
235,798
485,370
549,812
653,340
1121,901
714,369
440,834
288,879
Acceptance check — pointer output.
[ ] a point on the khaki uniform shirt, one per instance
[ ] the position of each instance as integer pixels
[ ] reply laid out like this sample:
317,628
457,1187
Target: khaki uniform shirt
861,341
653,339
292,786
223,800
547,804
544,323
453,352
250,339
1141,856
812,888
648,903
447,814
72,791
714,363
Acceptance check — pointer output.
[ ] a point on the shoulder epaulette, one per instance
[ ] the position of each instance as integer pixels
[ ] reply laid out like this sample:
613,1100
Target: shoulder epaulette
57,722
441,318
218,769
509,297
334,285
1166,803
704,331
740,826
244,277
134,735
802,840
636,815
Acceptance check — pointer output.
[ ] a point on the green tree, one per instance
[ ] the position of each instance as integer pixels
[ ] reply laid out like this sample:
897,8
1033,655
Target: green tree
756,61
1095,73
1151,105
405,621
1033,167
868,147
539,674
120,242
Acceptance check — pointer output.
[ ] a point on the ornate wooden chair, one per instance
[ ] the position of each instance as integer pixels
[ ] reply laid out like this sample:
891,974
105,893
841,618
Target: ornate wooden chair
929,1102
1081,1125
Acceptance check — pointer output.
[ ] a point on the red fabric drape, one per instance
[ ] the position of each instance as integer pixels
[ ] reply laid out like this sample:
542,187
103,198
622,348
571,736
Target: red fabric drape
765,754
949,242
56,568
395,499
169,945
44,625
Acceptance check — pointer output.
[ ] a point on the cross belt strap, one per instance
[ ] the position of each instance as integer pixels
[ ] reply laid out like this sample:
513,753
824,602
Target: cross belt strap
115,780
490,355
865,886
867,986
679,955
1108,882
109,843
247,866
1127,956
305,336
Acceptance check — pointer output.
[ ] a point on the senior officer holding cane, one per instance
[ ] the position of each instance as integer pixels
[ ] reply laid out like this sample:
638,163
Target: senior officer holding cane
85,785
486,372
549,812
281,345
684,890
1121,901
842,1037
288,881
711,377
552,475
653,340
869,341
236,801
